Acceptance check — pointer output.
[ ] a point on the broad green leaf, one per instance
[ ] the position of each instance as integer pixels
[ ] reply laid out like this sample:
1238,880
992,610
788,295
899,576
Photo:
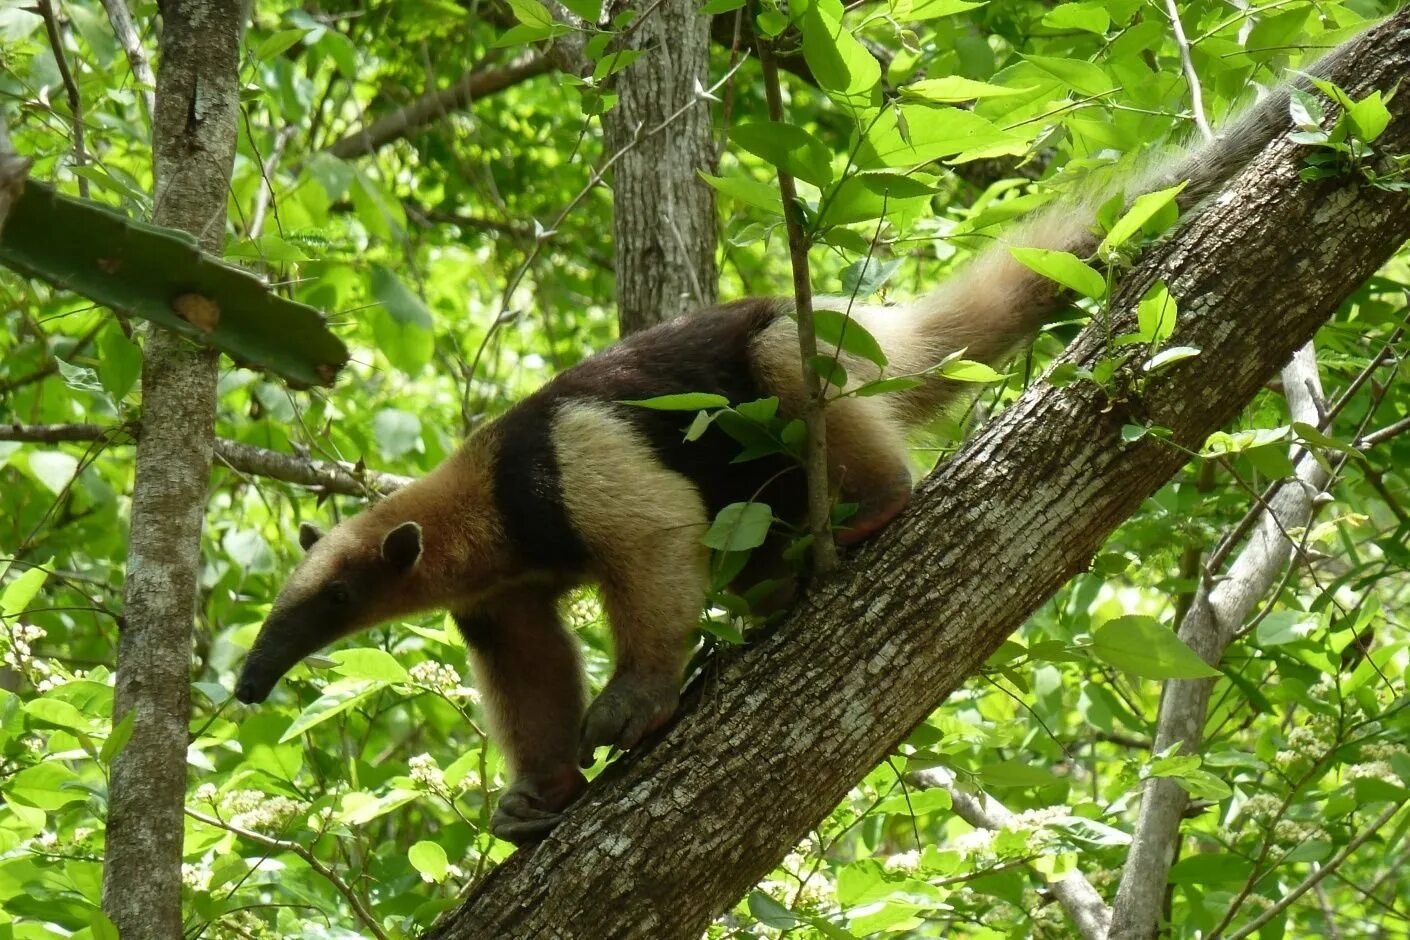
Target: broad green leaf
1307,433
19,592
770,913
1285,626
923,133
47,786
861,279
337,698
279,43
789,148
531,13
683,401
1015,773
119,361
54,712
367,663
1155,315
430,860
915,11
837,329
829,370
843,67
1143,209
967,370
404,306
1085,78
1210,868
117,739
398,432
739,527
1147,648
1169,357
900,383
1065,268
954,88
1088,16
750,192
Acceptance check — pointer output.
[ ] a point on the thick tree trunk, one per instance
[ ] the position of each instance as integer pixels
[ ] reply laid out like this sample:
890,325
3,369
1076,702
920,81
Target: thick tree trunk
770,739
663,213
194,151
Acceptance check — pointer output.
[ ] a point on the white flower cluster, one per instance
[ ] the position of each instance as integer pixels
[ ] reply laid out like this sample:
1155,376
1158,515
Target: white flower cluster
1374,770
973,843
903,861
196,877
426,772
1382,750
584,609
260,811
1308,742
205,793
1293,832
1261,806
442,678
19,649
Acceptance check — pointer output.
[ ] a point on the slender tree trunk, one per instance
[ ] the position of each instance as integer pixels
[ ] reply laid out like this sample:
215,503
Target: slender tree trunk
663,213
771,738
193,151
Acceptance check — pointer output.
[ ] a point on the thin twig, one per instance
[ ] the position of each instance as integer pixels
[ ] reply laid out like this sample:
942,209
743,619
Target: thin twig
815,463
121,19
1196,96
1312,880
282,845
56,43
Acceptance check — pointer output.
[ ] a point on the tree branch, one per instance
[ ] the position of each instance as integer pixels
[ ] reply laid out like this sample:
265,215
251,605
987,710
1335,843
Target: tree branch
325,476
1214,616
1074,892
137,60
773,735
434,105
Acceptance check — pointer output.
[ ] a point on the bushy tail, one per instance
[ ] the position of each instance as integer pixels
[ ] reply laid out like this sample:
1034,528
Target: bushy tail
993,305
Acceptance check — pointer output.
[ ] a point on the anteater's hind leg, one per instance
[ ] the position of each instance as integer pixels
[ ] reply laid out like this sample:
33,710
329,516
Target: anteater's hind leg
866,449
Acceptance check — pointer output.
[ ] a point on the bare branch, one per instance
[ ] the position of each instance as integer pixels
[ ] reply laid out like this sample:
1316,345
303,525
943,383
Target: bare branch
434,105
56,44
1214,616
1074,892
284,845
121,19
325,476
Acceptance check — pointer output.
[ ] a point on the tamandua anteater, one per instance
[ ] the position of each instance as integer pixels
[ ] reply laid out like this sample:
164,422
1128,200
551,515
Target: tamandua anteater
571,485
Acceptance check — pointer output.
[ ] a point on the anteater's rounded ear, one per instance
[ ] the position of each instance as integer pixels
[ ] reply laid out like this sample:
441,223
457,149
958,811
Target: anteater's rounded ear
309,534
402,546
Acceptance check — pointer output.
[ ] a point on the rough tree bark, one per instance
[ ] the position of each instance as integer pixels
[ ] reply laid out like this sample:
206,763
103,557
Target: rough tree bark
194,134
771,738
663,214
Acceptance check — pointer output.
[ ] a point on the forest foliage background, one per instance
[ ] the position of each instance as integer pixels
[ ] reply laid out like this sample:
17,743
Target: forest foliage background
462,258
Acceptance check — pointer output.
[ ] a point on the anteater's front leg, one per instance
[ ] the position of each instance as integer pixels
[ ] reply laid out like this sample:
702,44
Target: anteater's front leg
530,677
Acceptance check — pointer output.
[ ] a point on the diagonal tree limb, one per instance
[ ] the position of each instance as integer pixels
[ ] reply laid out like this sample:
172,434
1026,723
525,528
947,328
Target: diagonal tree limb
1084,906
770,738
434,105
1218,610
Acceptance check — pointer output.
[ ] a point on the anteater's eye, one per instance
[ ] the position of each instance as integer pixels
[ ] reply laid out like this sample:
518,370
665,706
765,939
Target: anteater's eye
338,593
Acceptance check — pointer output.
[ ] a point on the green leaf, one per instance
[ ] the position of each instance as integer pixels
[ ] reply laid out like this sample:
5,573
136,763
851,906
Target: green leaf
750,192
914,11
1144,647
119,361
1065,268
789,148
1143,209
531,13
1155,315
739,527
430,860
589,10
337,698
278,43
841,331
721,6
953,88
829,370
683,401
967,370
1089,16
404,306
54,712
1285,626
900,383
861,279
161,275
101,927
1169,356
1209,868
397,432
1081,76
1308,434
19,592
369,663
843,67
47,786
922,133
117,739
1369,116
1015,773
